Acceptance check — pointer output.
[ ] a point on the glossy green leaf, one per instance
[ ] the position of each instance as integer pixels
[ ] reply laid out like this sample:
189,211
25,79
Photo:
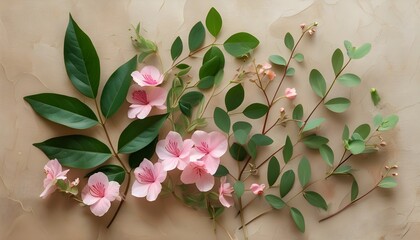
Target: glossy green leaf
218,78
349,80
314,141
239,188
143,55
234,97
327,154
388,123
317,82
238,152
210,68
64,110
290,72
337,61
387,182
289,42
222,119
278,60
196,36
241,131
287,150
314,123
206,83
81,60
188,101
298,114
286,183
363,130
273,171
213,22
338,105
212,53
176,48
76,151
113,172
356,146
346,133
343,169
375,96
255,110
299,57
251,148
274,201
315,199
140,133
240,44
261,140
298,219
361,51
135,158
116,88
304,171
221,171
354,190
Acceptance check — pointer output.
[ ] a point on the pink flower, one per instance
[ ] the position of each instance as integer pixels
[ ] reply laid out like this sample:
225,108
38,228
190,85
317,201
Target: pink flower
142,100
264,68
54,172
148,180
257,189
99,193
173,152
302,25
209,147
270,74
148,76
196,172
225,193
290,93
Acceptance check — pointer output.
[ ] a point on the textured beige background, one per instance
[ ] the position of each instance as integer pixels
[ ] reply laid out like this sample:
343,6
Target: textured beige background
31,61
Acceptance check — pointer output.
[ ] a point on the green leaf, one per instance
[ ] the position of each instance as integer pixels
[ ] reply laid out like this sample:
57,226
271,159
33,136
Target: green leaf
140,133
299,57
349,48
388,123
241,131
314,141
196,36
290,72
255,110
113,172
214,52
304,171
354,190
234,97
315,199
240,44
188,101
338,105
210,68
261,140
116,88
286,182
387,182
273,171
64,110
62,185
135,158
313,124
214,22
346,133
298,219
375,96
363,130
81,60
289,41
238,152
76,151
298,114
218,78
278,60
287,150
361,51
222,120
377,120
343,169
176,48
143,55
221,171
274,201
317,82
327,154
349,80
206,83
337,61
239,188
252,149
356,146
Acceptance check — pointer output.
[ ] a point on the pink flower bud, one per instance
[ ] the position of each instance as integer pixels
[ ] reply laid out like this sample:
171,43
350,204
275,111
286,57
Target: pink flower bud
270,74
302,25
290,93
257,189
311,32
282,110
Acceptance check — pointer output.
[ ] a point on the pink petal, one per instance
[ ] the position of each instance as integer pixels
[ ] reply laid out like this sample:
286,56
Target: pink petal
226,201
139,111
87,198
137,77
161,147
154,72
157,96
101,207
49,188
199,136
98,177
205,182
218,144
62,175
154,190
113,191
188,176
187,146
211,163
182,163
133,88
54,166
160,173
170,163
143,165
139,189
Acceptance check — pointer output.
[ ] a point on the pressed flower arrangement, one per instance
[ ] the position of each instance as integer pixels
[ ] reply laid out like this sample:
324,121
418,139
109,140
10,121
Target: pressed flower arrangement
188,161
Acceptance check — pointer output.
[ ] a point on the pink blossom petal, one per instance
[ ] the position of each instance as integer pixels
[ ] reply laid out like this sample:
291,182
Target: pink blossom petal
98,177
153,72
211,163
113,191
188,176
139,111
157,96
187,145
139,189
131,90
87,198
137,77
182,163
101,207
160,173
170,163
199,136
257,189
49,188
154,190
218,144
196,154
205,182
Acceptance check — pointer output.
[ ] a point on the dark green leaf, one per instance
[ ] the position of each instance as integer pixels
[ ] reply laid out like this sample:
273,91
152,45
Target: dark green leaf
363,130
238,152
252,149
375,96
388,123
113,172
299,57
278,60
349,80
76,151
206,83
176,48
298,114
116,88
362,51
184,69
218,78
221,171
255,110
188,101
222,120
261,140
327,154
289,41
135,158
68,111
210,68
143,55
338,105
212,53
274,201
241,131
140,133
314,123
337,61
298,219
81,60
234,97
273,171
343,169
196,36
304,171
240,44
315,199
314,141
239,188
287,150
286,182
387,182
354,190
213,22
317,82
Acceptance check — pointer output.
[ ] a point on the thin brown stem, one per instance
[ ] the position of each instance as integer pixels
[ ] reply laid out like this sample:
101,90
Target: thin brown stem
122,201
